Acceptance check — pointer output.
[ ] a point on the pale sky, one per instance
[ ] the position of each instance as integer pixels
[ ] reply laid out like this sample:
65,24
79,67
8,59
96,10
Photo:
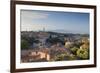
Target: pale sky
35,20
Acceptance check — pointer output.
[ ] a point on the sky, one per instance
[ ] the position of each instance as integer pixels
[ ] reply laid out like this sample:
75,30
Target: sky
67,22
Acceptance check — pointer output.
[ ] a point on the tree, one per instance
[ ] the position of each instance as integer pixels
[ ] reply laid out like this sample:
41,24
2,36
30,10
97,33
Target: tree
77,44
65,56
61,57
74,50
83,53
24,44
53,40
28,40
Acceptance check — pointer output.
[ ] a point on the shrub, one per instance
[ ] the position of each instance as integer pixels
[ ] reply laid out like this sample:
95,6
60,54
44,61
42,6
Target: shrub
83,53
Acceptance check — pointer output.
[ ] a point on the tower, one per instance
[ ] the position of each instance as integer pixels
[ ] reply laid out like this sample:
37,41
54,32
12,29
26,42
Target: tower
43,29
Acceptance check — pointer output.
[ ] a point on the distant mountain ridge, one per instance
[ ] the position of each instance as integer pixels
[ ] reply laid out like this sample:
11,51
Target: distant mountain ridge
66,31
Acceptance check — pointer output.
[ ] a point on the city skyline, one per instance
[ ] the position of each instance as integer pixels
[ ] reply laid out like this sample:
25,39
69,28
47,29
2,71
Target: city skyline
67,22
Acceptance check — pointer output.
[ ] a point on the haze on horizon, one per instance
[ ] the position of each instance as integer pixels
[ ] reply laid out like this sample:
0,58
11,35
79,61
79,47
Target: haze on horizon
69,22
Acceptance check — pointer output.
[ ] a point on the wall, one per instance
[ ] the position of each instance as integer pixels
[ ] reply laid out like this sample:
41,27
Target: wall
5,36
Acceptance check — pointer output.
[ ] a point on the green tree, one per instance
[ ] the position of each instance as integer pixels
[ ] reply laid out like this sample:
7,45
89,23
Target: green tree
24,44
83,53
74,50
61,57
65,56
54,40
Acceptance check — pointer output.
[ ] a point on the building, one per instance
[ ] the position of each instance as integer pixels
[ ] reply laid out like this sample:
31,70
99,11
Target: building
68,44
36,56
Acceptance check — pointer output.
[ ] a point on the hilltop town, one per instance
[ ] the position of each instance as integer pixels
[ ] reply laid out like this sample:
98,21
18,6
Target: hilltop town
48,46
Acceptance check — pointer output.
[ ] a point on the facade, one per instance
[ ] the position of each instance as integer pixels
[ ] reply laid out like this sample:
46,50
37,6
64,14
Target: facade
36,56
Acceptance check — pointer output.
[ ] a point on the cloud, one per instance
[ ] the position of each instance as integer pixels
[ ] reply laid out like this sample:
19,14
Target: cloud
28,18
34,27
30,15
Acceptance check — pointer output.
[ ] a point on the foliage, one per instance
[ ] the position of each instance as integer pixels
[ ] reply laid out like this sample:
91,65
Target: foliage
72,57
30,40
27,42
74,50
54,40
61,57
65,56
77,44
83,53
24,44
